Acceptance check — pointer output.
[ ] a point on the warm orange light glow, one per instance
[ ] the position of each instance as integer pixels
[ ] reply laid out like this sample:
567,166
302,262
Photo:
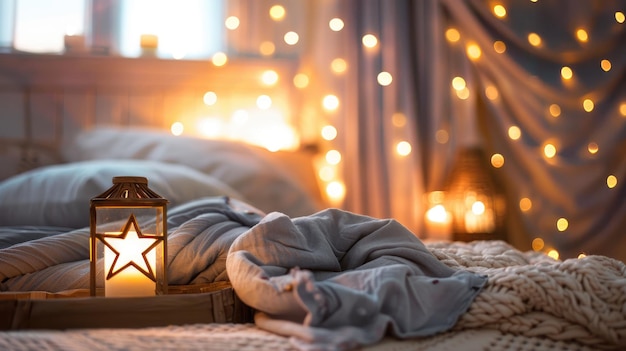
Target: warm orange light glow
442,136
369,41
177,128
403,148
329,132
330,102
499,47
463,94
338,65
499,11
611,181
301,80
566,73
553,254
267,48
515,133
588,105
582,35
438,214
277,12
326,173
491,92
622,109
534,39
581,255
384,78
291,38
592,148
336,191
219,59
497,160
549,150
605,65
269,77
209,98
264,102
336,24
537,244
473,51
562,224
555,110
619,17
333,157
525,204
453,35
458,83
398,119
232,22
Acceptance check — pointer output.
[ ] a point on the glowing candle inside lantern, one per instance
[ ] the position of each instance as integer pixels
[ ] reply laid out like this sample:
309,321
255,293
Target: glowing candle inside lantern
438,223
128,280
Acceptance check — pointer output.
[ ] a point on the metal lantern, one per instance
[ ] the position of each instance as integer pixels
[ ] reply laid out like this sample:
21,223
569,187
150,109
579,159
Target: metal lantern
474,199
128,241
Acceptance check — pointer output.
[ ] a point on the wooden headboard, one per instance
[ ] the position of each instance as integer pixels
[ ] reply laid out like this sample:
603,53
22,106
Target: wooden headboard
46,99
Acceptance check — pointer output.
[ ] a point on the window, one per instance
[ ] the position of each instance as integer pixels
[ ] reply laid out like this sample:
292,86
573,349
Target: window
185,29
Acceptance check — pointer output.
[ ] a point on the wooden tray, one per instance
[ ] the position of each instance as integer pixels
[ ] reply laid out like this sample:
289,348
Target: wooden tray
207,303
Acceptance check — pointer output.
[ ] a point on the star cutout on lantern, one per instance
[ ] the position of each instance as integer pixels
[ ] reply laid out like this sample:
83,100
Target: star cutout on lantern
130,249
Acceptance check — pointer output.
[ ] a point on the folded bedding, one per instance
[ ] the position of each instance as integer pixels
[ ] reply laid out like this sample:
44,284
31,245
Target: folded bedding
334,280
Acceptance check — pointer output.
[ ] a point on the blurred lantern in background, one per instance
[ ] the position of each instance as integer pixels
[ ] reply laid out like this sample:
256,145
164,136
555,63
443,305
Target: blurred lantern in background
474,199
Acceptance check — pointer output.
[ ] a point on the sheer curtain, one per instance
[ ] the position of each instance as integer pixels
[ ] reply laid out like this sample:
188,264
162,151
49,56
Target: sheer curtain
563,138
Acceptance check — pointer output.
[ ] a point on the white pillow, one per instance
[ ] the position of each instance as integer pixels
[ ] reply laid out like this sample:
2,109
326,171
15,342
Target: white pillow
252,171
59,195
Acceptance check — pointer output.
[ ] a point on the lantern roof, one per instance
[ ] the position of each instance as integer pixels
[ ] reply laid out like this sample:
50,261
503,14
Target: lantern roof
132,189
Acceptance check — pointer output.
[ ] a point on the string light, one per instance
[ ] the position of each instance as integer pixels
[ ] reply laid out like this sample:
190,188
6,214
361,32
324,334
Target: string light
497,160
622,109
219,59
525,204
232,22
562,224
177,128
619,17
592,148
515,133
549,150
384,78
330,102
291,38
458,83
398,119
473,51
267,48
209,98
453,35
329,132
301,80
269,77
442,136
491,92
499,47
582,35
369,41
499,11
534,39
403,148
555,110
277,12
566,73
338,65
537,244
588,105
336,24
333,157
605,65
611,181
264,102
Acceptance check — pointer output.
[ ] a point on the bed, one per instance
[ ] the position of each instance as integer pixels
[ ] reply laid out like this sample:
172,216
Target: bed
304,275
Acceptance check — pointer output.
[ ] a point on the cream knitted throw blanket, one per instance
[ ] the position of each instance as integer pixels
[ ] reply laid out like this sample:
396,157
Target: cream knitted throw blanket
531,294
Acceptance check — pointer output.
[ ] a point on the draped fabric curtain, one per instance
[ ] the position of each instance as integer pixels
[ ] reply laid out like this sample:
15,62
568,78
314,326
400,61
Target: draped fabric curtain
570,199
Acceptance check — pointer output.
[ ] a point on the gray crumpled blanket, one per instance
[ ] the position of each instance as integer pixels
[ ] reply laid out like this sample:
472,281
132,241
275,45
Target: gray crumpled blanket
332,280
336,280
